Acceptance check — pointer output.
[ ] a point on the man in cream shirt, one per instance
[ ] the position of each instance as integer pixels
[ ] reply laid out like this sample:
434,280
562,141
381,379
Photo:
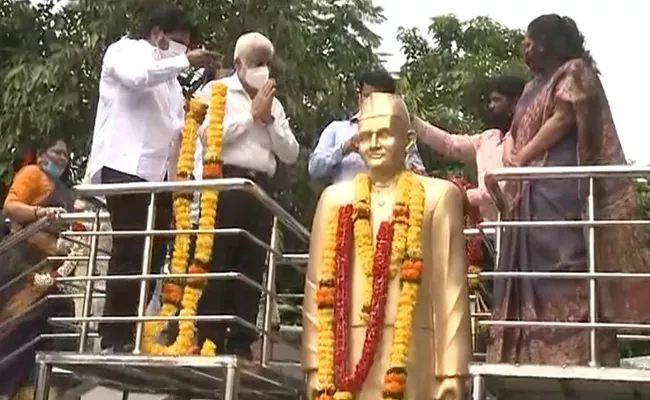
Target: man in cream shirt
256,132
139,117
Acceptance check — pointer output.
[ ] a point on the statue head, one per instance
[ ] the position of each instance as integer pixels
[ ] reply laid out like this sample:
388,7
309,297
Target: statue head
384,134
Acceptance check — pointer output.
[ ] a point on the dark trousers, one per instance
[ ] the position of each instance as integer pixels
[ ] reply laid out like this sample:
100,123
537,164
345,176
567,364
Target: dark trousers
129,212
235,253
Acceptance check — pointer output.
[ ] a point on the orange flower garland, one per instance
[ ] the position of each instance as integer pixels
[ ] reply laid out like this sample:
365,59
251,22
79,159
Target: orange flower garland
189,293
405,260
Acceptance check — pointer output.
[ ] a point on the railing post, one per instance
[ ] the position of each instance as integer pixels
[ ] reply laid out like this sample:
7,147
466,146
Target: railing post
146,267
473,309
593,303
88,292
231,383
43,375
270,293
497,242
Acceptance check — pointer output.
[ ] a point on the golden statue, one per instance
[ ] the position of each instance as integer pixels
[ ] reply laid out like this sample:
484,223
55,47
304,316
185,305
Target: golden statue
389,319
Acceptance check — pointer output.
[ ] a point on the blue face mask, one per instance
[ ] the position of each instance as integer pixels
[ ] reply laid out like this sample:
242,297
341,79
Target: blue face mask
51,169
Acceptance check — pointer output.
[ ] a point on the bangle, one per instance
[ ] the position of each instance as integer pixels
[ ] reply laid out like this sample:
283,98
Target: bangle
36,208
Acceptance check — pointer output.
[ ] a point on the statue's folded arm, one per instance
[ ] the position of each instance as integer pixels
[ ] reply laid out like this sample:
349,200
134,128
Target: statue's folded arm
451,314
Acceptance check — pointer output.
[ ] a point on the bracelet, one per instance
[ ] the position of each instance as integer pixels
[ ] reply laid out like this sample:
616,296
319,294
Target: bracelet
36,208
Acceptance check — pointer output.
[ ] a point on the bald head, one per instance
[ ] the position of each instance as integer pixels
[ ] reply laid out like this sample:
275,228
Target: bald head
252,42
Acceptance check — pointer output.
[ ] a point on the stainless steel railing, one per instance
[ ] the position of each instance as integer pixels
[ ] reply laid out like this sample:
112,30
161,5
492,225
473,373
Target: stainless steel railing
589,173
282,217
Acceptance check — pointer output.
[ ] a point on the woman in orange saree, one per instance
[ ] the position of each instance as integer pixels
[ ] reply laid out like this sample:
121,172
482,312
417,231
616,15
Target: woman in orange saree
36,192
563,119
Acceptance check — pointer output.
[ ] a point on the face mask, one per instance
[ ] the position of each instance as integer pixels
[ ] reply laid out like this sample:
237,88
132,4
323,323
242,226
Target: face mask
257,77
51,169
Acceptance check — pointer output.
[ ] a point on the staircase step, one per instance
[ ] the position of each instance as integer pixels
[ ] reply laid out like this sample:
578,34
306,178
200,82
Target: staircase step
184,377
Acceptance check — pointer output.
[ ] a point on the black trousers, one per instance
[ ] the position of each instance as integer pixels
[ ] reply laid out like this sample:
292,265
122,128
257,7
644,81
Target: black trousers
129,212
235,253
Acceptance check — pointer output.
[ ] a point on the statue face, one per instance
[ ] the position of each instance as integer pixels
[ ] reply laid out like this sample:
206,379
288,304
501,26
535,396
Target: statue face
383,132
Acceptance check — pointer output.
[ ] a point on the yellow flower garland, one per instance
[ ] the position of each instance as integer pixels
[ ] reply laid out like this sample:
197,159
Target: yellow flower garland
325,295
363,231
406,258
193,288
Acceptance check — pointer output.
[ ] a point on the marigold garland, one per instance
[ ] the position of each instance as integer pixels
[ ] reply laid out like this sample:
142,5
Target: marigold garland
398,252
187,294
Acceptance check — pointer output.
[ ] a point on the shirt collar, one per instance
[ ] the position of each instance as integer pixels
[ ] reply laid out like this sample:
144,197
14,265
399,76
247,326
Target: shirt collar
355,118
234,83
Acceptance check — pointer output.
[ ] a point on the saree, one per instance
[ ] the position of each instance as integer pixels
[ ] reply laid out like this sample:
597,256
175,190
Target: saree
592,140
25,310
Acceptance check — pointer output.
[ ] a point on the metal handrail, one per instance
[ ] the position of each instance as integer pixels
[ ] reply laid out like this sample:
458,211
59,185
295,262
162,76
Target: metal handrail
17,237
225,184
589,173
493,178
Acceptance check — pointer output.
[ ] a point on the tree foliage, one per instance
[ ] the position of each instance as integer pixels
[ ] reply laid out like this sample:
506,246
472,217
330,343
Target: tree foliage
51,57
445,71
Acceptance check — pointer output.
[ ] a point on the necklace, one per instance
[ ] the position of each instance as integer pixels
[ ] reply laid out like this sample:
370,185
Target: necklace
380,191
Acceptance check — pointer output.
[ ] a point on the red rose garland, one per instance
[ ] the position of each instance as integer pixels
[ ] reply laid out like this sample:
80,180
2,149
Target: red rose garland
474,251
344,380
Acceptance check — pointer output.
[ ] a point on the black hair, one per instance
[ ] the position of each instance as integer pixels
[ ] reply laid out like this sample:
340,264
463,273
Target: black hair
510,86
169,19
558,38
381,80
28,154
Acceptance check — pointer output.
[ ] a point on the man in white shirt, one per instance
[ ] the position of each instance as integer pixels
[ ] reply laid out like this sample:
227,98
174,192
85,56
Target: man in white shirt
139,117
256,133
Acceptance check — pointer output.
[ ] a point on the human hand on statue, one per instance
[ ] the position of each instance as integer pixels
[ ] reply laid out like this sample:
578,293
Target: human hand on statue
263,102
202,58
351,145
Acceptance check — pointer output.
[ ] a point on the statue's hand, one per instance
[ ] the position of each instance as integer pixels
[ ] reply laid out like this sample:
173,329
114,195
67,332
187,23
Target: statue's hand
451,389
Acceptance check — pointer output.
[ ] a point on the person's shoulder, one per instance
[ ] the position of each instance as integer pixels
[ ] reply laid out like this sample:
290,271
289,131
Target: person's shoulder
442,186
29,171
338,194
337,124
126,43
440,191
490,133
578,67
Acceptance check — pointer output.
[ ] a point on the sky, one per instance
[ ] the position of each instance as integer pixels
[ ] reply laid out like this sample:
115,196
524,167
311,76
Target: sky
613,31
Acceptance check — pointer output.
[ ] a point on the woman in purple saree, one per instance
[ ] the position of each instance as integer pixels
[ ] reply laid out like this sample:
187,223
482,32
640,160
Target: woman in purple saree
563,119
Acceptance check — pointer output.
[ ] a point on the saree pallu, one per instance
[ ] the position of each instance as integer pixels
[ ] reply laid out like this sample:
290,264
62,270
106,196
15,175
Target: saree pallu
592,141
23,318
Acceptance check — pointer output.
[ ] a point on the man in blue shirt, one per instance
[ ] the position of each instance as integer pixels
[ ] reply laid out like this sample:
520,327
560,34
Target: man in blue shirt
335,156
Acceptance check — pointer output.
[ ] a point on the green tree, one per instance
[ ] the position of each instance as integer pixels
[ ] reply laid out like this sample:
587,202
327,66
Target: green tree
445,71
51,57
51,54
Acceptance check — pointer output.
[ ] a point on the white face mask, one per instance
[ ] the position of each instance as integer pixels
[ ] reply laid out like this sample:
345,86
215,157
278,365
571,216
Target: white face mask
174,49
257,77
